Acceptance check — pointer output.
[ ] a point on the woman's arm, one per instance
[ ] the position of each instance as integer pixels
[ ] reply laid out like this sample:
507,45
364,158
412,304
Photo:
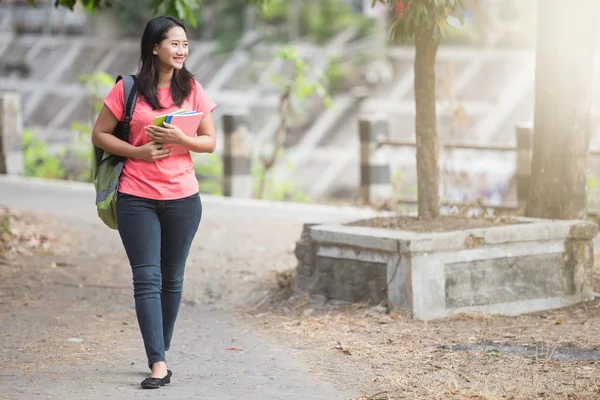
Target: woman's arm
103,138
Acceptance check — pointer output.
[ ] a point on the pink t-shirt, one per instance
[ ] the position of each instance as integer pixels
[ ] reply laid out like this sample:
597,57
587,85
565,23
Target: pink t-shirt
172,177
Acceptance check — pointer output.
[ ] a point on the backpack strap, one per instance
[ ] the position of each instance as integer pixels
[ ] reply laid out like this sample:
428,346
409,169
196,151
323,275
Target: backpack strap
130,94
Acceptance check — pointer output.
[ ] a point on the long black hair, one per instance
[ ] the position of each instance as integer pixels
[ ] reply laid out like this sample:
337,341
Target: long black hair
147,76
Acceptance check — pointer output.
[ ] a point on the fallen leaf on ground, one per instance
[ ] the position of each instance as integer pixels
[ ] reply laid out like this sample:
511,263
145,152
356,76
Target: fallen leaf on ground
341,348
235,348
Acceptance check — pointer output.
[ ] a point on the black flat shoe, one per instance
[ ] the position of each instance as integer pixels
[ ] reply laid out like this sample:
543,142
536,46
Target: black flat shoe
155,383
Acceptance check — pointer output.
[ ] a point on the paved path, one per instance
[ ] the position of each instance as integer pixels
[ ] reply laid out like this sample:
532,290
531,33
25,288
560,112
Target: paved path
238,238
203,369
77,201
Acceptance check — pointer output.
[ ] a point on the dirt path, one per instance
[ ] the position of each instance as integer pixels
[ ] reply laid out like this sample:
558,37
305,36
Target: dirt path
72,282
548,355
68,329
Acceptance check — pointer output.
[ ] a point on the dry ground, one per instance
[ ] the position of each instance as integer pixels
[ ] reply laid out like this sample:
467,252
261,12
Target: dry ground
62,280
52,293
444,223
387,356
391,357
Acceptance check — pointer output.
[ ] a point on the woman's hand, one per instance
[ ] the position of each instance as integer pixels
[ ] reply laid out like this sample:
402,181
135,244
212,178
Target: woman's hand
169,134
152,152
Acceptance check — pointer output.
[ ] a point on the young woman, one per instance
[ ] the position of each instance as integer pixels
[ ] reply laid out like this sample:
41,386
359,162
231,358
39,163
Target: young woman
159,207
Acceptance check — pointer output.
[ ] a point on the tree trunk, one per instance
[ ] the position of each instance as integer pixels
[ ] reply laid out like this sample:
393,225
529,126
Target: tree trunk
563,94
428,171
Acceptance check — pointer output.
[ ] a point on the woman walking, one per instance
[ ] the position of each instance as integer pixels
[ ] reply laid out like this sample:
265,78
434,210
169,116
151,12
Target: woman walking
159,207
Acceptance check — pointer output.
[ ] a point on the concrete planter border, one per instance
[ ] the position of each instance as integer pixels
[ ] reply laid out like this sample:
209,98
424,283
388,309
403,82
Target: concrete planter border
511,269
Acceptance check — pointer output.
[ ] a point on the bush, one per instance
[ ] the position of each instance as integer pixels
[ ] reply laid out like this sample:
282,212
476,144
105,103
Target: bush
318,20
38,162
209,171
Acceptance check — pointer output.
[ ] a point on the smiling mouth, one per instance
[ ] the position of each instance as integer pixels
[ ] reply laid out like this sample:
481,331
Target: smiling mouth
179,60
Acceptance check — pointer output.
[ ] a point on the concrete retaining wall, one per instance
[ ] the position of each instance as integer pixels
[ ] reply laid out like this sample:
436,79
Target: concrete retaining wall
512,269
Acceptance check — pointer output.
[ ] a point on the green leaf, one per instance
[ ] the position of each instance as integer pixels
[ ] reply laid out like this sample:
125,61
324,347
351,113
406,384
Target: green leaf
156,5
191,17
180,8
320,90
304,90
90,5
290,165
66,3
592,182
168,8
277,80
79,127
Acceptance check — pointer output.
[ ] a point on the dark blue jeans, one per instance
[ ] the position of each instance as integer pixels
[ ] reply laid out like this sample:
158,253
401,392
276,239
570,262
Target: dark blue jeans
157,235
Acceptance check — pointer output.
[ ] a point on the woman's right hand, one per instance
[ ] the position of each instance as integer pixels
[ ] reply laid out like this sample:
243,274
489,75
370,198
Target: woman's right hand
152,152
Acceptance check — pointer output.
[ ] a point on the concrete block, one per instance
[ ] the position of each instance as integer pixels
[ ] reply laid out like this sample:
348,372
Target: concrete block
354,236
352,253
511,269
583,231
428,287
399,283
478,283
351,280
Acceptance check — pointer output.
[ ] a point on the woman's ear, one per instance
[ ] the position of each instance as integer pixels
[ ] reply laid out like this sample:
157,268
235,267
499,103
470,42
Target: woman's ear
155,50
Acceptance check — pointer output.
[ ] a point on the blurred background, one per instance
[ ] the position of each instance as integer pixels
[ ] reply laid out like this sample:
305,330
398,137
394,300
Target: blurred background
347,67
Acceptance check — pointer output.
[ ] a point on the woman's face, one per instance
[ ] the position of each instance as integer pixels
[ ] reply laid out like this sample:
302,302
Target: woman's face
172,51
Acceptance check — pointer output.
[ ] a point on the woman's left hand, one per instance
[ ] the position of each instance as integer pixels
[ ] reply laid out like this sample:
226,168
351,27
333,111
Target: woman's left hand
167,134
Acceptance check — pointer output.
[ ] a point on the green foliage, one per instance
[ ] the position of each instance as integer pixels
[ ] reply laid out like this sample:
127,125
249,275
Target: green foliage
182,9
592,181
318,20
90,5
96,83
75,163
350,19
303,82
67,164
229,30
38,162
429,14
321,20
593,192
277,190
297,86
209,171
83,154
131,16
334,74
274,10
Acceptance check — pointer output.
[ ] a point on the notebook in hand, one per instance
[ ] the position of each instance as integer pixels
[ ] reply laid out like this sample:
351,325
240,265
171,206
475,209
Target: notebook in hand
188,122
158,121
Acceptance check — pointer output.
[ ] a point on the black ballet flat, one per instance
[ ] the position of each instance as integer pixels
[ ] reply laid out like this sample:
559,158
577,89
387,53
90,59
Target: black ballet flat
155,383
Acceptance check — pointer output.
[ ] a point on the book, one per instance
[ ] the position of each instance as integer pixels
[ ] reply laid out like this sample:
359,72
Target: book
158,121
170,116
188,122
